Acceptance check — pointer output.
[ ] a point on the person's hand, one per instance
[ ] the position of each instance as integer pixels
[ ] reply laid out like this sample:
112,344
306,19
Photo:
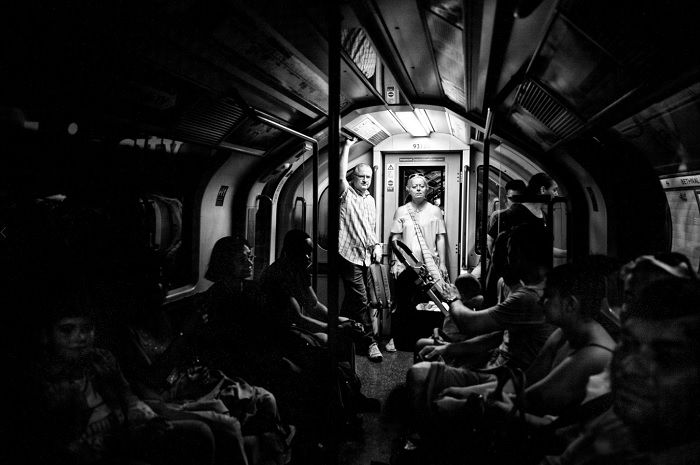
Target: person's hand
505,403
432,352
377,253
396,269
351,328
154,429
443,271
140,413
350,141
448,291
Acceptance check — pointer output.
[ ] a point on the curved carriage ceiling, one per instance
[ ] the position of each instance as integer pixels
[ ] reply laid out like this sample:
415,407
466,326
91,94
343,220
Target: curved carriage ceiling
193,70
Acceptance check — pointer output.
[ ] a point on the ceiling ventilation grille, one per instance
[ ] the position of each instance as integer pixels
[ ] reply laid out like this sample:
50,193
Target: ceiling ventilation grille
209,122
369,129
551,113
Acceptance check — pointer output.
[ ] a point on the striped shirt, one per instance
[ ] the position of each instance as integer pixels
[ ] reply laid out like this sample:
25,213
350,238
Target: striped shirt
358,219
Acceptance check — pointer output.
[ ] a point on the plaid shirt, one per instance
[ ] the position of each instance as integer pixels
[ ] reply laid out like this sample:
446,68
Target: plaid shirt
358,219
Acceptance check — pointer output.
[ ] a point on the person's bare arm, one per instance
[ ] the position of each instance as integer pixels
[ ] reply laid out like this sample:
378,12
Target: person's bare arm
344,164
459,350
396,266
566,383
473,323
304,321
440,244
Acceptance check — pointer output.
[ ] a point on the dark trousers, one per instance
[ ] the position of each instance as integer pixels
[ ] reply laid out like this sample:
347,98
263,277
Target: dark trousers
408,324
356,303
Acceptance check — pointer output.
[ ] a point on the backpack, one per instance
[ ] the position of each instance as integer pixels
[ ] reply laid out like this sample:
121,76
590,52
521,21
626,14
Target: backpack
379,294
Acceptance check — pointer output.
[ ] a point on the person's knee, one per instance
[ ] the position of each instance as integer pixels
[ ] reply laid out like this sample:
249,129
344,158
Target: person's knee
266,401
418,373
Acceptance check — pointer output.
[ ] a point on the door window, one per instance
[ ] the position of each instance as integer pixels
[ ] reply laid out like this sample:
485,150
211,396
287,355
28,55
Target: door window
496,195
436,183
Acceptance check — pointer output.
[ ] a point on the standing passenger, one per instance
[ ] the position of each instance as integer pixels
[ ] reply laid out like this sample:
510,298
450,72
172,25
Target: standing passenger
515,190
420,225
358,245
540,191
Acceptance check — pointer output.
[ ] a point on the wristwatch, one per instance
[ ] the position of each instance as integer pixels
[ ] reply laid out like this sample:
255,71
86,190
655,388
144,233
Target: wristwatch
449,302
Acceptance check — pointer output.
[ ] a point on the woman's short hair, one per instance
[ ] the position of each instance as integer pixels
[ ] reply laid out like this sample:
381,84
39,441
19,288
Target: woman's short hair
220,262
417,175
294,240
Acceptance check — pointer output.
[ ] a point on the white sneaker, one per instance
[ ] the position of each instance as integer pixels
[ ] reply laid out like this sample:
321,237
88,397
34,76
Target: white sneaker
390,347
374,354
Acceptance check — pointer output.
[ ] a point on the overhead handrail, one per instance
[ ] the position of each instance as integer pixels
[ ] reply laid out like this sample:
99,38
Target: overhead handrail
267,119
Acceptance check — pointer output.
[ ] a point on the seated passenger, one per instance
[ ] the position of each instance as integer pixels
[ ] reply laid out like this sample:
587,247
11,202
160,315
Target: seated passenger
238,336
299,322
555,382
290,299
81,410
470,294
168,373
521,314
635,276
665,268
579,347
655,417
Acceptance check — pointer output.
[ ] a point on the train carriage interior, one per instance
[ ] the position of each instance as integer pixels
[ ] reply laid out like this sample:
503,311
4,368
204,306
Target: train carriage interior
153,128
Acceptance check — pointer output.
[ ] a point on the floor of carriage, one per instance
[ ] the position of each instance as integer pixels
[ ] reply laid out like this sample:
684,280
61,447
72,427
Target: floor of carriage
371,444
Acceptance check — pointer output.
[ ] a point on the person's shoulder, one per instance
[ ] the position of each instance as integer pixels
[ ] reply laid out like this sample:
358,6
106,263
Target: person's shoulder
529,293
269,271
434,209
402,210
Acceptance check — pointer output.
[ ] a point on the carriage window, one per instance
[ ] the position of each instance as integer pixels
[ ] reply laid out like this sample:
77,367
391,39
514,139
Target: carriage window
496,195
263,234
684,207
558,221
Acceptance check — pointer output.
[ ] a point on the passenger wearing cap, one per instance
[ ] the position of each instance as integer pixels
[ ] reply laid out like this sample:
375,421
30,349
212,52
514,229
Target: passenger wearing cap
654,377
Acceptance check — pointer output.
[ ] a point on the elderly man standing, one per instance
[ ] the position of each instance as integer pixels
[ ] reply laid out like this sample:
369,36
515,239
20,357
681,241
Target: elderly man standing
358,244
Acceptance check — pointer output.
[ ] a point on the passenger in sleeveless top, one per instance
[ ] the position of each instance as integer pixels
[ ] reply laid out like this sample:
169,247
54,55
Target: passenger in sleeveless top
657,289
418,221
555,382
578,348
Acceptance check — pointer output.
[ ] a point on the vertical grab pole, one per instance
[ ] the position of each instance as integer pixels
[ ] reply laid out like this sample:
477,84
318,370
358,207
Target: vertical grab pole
314,215
333,194
485,197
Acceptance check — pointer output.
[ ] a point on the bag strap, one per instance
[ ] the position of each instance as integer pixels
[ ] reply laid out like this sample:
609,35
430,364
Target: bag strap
428,258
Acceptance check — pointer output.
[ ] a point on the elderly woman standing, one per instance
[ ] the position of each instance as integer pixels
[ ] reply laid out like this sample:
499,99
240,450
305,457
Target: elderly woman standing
420,225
